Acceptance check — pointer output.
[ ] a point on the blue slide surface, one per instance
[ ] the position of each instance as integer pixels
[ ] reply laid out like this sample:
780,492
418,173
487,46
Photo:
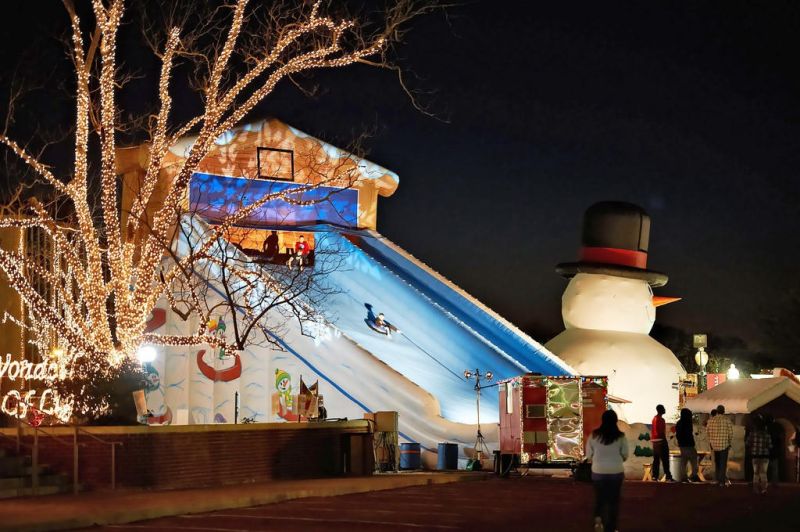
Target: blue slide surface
437,332
441,330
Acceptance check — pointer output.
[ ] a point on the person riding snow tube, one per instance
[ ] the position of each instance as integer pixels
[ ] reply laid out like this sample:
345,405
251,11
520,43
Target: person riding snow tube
380,325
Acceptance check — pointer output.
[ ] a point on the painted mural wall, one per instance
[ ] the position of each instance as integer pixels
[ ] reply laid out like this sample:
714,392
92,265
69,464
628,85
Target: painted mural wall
270,154
417,371
195,385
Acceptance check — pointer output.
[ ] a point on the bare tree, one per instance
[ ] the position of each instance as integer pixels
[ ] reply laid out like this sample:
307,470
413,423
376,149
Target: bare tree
108,276
253,294
228,273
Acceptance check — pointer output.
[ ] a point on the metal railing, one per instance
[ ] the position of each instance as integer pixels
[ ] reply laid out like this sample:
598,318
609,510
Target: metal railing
35,459
74,444
112,444
19,442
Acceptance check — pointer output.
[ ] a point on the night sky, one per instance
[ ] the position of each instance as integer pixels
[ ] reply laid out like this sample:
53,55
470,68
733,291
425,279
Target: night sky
689,109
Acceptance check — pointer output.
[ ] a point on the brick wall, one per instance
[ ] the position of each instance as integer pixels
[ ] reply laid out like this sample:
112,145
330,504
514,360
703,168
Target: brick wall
207,455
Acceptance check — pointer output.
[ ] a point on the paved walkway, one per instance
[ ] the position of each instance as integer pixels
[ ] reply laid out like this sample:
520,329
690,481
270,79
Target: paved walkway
58,512
530,503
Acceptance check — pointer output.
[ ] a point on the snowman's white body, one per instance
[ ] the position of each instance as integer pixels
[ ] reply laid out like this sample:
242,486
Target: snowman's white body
608,320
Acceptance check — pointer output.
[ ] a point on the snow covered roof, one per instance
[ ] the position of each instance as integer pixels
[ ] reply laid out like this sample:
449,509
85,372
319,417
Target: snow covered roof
742,396
276,134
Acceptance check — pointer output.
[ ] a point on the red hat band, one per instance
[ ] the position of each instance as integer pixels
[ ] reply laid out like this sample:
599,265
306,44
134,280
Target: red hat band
620,257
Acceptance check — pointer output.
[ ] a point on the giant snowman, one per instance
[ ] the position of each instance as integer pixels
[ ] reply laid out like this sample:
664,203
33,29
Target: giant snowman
608,311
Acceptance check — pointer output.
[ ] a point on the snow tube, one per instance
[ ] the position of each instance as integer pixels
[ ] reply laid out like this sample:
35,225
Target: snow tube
158,317
164,419
219,375
783,372
380,329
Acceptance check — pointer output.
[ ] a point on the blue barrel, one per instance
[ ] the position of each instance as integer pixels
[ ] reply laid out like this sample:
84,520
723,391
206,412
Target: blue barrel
448,456
409,456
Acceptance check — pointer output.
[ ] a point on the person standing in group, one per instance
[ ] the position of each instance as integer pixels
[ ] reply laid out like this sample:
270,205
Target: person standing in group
776,434
711,415
759,442
684,433
607,449
720,437
658,437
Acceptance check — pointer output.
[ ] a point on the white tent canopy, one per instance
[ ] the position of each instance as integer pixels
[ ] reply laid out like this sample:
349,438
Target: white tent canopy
742,396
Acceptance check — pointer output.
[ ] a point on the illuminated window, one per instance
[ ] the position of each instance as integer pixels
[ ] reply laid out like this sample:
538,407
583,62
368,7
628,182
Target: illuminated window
275,163
534,411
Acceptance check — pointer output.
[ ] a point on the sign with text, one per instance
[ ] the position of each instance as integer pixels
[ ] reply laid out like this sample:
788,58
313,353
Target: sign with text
699,340
38,399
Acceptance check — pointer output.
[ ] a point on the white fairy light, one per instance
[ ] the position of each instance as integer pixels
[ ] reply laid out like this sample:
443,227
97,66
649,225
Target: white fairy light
97,265
146,354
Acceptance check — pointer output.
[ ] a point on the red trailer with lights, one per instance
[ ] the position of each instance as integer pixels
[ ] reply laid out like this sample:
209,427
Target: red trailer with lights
545,420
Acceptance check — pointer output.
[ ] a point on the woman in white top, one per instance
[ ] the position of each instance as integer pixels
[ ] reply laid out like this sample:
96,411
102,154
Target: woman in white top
607,448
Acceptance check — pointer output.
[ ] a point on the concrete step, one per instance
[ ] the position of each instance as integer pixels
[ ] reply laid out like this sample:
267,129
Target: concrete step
16,481
11,459
55,479
10,493
12,466
44,469
26,471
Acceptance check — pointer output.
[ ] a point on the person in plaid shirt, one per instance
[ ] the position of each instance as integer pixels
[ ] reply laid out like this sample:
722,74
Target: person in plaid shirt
720,436
760,444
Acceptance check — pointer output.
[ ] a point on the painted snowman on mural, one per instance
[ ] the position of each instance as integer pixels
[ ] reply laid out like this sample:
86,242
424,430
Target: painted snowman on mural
609,309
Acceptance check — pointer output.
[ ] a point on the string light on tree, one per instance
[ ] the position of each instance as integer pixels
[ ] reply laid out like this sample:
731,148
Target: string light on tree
100,267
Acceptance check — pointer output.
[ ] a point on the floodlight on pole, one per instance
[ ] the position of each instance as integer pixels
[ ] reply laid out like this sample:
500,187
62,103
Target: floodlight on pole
701,357
480,442
146,354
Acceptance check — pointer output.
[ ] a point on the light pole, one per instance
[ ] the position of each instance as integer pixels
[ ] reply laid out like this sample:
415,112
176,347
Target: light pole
701,357
700,342
480,443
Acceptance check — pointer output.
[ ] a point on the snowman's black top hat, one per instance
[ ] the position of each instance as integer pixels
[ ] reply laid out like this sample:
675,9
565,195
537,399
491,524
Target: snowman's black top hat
614,242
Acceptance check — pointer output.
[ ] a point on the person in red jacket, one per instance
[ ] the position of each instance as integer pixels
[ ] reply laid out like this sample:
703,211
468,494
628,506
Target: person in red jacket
658,437
301,247
301,251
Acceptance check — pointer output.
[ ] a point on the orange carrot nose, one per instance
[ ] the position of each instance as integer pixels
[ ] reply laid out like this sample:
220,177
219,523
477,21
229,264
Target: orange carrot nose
663,300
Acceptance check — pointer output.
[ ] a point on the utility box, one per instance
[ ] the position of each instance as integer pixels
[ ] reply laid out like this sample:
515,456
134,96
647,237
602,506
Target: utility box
545,420
386,438
384,421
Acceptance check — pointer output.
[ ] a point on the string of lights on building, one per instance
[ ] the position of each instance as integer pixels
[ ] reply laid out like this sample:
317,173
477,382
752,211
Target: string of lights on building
105,279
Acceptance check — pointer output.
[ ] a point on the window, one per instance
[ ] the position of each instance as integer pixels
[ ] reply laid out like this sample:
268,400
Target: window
275,163
534,411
